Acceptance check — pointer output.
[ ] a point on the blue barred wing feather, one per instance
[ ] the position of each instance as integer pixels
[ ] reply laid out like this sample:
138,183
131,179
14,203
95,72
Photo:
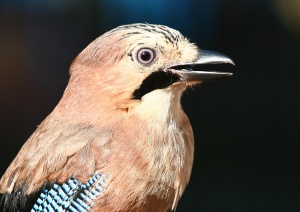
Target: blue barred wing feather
71,196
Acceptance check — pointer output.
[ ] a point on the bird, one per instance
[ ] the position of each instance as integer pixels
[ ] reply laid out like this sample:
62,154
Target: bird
118,140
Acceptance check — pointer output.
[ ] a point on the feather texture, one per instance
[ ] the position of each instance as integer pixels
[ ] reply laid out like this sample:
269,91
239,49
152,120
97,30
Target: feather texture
70,196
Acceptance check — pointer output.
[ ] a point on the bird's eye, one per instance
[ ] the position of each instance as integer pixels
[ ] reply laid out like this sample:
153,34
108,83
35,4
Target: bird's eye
145,56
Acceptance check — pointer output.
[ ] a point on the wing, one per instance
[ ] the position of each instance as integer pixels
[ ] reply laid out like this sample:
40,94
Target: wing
70,196
54,159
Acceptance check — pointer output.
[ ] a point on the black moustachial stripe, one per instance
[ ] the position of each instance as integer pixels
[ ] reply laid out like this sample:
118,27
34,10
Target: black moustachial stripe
156,80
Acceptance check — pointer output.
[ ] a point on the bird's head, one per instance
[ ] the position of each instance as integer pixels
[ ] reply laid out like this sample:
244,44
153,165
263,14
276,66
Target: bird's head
134,60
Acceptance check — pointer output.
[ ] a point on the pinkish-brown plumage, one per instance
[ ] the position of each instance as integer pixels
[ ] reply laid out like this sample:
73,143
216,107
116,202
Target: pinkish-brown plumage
143,142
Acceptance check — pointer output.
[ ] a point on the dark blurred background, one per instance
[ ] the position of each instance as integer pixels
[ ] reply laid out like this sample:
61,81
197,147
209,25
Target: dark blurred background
246,127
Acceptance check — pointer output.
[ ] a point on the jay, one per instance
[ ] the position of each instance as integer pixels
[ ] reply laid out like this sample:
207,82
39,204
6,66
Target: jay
118,140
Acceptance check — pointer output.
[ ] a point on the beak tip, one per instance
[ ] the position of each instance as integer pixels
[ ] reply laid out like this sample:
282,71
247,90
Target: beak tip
231,62
207,56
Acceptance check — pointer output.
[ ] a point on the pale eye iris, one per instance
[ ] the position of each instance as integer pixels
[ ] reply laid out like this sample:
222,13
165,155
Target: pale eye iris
145,56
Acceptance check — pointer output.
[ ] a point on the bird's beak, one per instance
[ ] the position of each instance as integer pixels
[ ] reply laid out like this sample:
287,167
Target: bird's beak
205,68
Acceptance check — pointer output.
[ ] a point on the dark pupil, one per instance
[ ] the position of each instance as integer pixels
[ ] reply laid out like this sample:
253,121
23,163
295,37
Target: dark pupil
145,56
